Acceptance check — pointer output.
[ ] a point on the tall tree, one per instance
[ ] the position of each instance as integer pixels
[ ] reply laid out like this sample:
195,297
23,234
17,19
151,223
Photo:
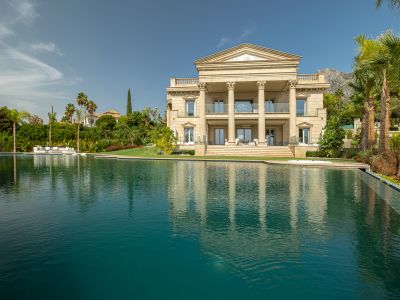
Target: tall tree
82,101
382,57
69,112
80,113
392,3
129,104
17,117
52,119
91,108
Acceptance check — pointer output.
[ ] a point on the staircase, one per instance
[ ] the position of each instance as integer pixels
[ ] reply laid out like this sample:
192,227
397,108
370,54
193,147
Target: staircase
266,151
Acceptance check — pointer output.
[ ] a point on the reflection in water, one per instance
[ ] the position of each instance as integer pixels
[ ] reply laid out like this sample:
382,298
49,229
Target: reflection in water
282,231
260,219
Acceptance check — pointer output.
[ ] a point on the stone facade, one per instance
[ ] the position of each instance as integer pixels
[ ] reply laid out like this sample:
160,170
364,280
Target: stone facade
247,95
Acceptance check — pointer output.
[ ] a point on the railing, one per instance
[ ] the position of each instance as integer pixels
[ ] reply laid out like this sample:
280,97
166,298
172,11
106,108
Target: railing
311,77
216,108
184,82
248,108
184,114
277,108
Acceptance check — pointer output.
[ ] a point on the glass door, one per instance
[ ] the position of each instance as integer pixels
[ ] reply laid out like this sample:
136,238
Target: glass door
304,136
244,135
270,136
219,136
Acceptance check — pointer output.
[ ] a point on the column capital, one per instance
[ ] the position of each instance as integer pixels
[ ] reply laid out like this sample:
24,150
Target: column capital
292,83
231,85
202,86
261,85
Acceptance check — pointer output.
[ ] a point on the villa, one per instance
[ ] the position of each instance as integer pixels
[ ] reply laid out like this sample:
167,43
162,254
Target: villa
111,112
248,100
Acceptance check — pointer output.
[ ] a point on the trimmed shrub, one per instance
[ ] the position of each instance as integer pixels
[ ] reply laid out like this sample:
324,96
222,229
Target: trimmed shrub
385,163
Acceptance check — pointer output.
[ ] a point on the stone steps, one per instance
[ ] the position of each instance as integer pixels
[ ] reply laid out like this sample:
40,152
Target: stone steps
271,151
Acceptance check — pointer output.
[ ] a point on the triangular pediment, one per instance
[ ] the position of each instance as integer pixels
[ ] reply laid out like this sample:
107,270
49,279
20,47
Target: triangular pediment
304,125
247,53
188,124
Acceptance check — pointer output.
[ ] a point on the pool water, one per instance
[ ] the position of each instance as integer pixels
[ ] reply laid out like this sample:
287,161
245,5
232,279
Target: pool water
88,228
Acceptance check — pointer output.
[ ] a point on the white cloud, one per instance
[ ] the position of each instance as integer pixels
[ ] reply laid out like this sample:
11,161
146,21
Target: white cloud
26,81
46,47
235,40
5,31
25,10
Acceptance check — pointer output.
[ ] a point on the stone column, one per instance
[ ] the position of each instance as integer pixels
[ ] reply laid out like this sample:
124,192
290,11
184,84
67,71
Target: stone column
261,112
231,112
202,133
292,111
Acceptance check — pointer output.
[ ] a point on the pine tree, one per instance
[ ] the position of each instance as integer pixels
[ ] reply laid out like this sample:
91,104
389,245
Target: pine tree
129,104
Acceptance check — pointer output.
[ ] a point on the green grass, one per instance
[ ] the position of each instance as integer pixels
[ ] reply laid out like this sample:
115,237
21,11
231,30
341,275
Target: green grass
391,179
152,152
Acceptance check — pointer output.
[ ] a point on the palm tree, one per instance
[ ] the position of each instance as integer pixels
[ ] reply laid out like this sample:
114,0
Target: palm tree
382,58
366,85
79,118
91,108
82,101
17,117
392,3
69,111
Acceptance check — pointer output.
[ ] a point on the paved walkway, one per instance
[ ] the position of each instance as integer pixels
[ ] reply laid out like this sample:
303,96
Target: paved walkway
290,162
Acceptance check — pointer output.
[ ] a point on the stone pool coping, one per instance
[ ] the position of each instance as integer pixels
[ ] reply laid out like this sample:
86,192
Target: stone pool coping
305,163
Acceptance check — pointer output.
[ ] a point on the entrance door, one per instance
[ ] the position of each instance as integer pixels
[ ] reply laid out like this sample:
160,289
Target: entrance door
219,136
244,135
270,136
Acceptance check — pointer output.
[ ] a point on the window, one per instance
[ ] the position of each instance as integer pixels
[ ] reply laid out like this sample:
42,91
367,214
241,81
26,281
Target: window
301,107
270,105
244,135
304,135
244,106
219,136
219,106
190,108
189,136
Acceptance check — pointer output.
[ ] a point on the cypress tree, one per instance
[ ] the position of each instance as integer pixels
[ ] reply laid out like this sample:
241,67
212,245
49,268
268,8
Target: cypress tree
129,104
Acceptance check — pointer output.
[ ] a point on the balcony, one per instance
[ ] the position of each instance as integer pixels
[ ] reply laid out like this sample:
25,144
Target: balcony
216,108
272,108
245,107
182,82
311,78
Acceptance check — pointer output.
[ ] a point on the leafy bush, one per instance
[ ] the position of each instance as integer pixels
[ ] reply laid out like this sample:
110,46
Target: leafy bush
183,152
332,140
120,147
164,139
385,163
318,153
394,143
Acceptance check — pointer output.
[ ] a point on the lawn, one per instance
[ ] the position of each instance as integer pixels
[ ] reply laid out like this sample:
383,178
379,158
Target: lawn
152,152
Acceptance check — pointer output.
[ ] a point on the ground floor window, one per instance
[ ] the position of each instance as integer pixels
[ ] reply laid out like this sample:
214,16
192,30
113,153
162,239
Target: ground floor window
244,135
304,135
219,136
189,135
270,136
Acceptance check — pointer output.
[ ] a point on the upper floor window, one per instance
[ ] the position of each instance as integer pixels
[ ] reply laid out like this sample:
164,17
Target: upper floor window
190,107
219,106
270,105
301,107
243,106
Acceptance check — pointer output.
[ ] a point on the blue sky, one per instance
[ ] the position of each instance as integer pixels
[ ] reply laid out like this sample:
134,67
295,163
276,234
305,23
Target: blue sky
52,49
